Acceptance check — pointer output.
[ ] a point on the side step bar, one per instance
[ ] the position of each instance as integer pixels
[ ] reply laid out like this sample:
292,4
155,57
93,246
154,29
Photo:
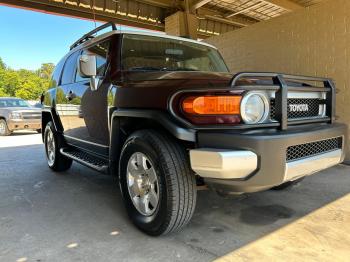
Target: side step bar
96,163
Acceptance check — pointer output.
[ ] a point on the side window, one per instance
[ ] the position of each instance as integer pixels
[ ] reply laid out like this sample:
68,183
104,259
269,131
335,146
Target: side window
69,69
101,52
56,74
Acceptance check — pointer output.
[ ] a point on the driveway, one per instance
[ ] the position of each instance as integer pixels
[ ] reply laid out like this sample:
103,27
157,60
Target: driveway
79,216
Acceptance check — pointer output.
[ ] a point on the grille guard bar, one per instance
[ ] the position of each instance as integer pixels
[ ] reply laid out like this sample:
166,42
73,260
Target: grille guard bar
279,84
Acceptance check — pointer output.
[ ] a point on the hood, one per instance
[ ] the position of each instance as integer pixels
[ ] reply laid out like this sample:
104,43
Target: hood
176,77
183,79
155,88
195,79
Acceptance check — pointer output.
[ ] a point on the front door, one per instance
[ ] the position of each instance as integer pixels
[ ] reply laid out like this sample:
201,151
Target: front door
85,121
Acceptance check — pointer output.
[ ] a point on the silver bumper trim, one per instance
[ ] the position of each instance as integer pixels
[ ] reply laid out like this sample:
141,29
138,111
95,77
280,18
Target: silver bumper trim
226,164
311,165
223,164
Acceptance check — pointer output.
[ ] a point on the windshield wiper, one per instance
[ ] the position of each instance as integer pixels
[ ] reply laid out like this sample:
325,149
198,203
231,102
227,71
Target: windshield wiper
145,68
183,69
150,68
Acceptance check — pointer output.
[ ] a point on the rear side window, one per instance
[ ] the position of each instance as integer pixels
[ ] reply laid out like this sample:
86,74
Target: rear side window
101,52
69,69
56,74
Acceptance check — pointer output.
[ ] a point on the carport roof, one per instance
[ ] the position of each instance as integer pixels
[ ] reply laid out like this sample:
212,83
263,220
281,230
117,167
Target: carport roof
215,16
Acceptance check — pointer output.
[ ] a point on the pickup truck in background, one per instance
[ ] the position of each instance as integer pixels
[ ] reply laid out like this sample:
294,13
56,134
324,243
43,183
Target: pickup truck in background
17,114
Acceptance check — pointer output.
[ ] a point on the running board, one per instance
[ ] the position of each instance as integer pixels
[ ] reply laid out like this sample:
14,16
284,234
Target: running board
86,159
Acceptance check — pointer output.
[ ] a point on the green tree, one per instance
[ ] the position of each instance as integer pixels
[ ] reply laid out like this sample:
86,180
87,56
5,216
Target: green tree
46,70
60,97
24,83
9,81
2,70
2,64
2,93
31,88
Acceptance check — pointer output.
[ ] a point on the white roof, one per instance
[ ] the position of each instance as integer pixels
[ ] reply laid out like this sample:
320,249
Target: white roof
162,35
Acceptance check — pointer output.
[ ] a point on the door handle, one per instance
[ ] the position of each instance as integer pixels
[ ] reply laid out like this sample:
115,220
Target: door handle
71,95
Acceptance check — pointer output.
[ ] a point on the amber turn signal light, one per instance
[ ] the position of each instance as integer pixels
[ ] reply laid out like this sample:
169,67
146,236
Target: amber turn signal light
212,105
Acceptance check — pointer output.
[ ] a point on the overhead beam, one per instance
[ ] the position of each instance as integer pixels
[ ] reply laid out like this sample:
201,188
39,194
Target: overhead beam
159,3
74,11
240,21
224,20
244,9
199,4
286,4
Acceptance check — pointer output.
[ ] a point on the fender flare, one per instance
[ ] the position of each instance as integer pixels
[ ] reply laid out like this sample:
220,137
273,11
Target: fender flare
159,117
55,119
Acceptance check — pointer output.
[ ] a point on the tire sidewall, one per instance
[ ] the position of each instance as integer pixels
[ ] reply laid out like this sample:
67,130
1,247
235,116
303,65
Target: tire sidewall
153,223
7,132
49,128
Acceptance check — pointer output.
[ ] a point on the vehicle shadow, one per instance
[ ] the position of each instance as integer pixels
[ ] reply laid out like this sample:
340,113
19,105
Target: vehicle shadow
23,133
83,204
237,221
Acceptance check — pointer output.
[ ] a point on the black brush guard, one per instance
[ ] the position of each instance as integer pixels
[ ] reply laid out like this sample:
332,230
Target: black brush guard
280,86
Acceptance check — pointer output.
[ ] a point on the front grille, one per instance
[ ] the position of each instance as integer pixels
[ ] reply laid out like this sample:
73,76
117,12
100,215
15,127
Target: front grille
314,148
313,105
31,115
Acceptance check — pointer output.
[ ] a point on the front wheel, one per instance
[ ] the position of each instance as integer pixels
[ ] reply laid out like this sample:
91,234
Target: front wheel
4,130
157,183
53,143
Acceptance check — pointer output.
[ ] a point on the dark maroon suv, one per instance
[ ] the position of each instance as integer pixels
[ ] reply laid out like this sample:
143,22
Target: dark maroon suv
164,115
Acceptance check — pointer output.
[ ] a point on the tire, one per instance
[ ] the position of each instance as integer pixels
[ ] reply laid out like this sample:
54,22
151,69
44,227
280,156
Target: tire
38,131
175,182
287,185
4,130
55,160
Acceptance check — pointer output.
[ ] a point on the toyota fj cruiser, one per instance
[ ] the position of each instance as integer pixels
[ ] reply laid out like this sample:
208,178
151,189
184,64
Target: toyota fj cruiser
164,115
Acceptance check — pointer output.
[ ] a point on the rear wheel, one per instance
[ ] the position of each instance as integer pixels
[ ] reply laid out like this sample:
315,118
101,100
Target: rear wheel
4,131
53,143
38,131
157,183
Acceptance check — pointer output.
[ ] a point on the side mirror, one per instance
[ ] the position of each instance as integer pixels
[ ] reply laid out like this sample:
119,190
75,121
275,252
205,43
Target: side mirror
87,68
87,65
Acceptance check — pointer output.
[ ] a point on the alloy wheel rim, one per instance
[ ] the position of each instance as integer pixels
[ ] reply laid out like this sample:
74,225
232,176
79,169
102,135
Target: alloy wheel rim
2,128
50,148
142,182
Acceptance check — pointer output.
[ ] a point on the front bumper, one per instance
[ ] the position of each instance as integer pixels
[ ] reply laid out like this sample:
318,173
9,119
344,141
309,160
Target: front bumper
256,160
19,124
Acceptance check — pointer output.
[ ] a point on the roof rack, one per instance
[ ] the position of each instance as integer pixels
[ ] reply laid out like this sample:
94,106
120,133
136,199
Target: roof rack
89,35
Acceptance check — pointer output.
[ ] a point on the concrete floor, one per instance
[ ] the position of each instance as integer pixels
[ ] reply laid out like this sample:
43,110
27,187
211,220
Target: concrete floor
79,216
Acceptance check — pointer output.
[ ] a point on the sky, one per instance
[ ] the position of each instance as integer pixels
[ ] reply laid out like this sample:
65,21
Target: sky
28,38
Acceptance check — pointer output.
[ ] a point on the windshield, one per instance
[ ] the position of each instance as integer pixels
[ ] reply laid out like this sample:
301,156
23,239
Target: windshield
150,53
13,103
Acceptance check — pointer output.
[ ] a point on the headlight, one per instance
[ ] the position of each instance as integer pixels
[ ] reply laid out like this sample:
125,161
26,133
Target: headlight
254,107
15,115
